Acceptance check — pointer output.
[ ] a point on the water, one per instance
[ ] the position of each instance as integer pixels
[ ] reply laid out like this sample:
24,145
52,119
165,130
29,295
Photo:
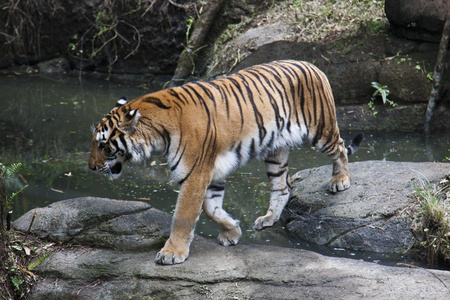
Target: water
47,124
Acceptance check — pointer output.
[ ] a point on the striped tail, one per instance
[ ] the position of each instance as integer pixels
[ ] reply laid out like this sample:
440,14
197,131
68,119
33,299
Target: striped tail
354,146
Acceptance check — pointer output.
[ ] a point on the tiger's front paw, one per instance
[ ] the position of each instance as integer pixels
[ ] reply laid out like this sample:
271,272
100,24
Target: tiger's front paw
169,256
230,237
339,183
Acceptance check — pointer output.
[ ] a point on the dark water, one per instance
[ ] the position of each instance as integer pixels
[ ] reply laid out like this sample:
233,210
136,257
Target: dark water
46,125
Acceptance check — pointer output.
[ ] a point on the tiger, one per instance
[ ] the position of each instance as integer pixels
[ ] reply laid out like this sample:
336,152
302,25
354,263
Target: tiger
207,129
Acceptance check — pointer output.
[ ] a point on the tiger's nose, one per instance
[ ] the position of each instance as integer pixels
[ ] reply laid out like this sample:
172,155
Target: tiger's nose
92,166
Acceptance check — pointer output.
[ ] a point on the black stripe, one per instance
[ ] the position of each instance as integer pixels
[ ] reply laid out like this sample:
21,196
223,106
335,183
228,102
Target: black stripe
175,165
236,85
274,71
223,97
278,119
238,153
189,173
278,174
258,117
177,96
124,142
252,149
215,196
271,162
216,187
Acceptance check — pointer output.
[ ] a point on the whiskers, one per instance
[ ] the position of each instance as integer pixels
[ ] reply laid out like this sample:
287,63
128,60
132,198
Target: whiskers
105,169
93,127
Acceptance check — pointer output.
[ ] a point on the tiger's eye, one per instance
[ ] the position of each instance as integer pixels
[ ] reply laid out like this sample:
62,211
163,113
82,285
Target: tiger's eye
102,145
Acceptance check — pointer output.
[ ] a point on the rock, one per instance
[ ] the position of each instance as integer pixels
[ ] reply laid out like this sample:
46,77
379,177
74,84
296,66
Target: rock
119,240
58,66
240,272
417,19
372,215
99,222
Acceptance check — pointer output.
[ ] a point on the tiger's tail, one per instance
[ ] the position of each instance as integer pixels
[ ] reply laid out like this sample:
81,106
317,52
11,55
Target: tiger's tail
354,146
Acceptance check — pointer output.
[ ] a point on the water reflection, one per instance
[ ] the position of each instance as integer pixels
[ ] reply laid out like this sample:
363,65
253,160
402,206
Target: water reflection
47,126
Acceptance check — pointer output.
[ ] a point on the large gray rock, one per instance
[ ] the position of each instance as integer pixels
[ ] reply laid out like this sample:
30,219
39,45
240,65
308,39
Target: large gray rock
99,222
120,240
373,215
240,272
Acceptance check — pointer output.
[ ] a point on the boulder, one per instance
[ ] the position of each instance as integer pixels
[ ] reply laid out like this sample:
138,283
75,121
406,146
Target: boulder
119,240
417,19
373,215
240,272
99,222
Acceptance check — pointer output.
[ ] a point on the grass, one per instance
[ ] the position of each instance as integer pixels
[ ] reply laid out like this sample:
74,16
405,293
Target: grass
317,19
308,20
431,226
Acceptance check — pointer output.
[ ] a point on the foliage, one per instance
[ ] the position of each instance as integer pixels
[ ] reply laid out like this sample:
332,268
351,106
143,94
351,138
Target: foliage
20,33
15,252
320,19
380,91
307,20
431,226
19,257
107,30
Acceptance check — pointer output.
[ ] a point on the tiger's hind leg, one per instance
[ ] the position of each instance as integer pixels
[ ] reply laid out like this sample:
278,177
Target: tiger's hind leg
340,179
212,205
277,171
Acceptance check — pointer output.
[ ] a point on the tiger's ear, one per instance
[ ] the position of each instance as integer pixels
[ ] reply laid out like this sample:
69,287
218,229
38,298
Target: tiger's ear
131,119
121,102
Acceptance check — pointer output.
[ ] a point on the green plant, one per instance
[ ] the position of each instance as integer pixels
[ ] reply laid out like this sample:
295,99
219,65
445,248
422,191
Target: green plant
16,279
431,225
5,174
381,91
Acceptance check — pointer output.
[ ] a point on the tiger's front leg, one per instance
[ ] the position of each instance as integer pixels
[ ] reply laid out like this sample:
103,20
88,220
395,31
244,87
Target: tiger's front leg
277,171
187,212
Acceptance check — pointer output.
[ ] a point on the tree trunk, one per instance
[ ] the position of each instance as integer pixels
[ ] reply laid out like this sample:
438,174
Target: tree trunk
186,61
437,76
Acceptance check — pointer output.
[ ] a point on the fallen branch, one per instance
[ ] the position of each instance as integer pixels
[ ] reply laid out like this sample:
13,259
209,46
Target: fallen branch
186,61
437,75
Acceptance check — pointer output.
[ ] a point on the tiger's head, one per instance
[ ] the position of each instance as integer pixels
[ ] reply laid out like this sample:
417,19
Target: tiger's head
113,143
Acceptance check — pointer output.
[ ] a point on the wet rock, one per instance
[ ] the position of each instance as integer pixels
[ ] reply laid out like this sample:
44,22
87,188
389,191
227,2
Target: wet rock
119,240
240,272
373,215
99,222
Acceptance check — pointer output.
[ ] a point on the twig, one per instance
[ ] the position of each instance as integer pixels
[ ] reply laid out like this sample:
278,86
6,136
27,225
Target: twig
8,220
29,227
